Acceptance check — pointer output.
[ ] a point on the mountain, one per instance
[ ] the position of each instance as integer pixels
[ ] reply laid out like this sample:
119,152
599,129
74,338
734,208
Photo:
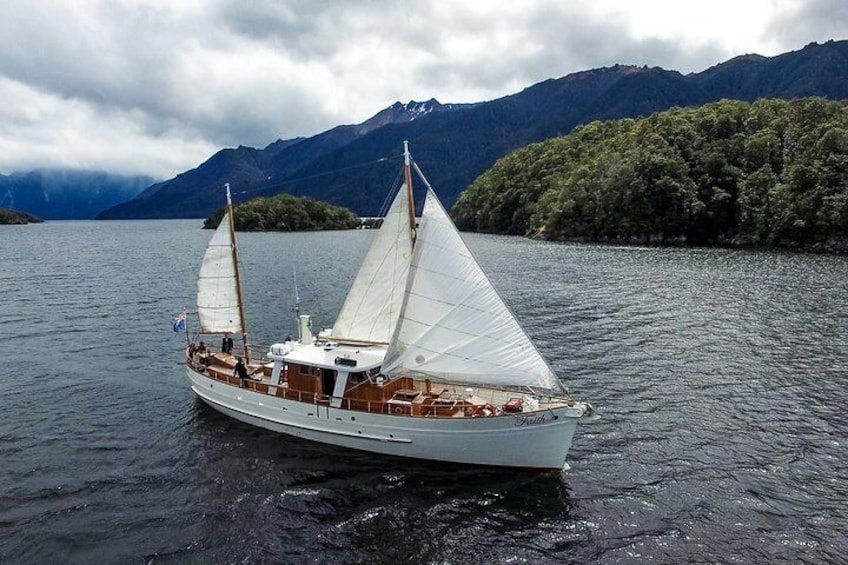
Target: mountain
198,192
60,194
399,113
353,166
815,70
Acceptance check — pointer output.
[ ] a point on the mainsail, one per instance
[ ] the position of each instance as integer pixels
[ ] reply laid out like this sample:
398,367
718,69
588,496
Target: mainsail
453,323
217,290
372,307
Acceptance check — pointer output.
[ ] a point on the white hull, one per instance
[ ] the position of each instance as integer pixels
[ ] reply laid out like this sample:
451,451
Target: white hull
538,440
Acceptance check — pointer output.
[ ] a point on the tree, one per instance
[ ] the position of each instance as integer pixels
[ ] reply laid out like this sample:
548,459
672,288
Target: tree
287,213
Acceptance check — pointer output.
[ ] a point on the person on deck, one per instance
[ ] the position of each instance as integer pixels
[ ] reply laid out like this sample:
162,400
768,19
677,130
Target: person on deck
240,371
201,354
227,344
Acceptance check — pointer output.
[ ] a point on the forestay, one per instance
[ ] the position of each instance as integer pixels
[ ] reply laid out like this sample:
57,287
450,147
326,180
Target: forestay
217,293
372,306
453,323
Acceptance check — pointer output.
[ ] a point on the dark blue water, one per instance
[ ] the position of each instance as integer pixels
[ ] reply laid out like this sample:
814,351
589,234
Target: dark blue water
721,378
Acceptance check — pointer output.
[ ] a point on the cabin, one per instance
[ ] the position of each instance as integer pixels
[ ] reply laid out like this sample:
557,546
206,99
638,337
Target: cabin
344,376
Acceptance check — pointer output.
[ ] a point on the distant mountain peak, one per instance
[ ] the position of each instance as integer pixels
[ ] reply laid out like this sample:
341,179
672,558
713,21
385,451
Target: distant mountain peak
401,113
740,60
415,108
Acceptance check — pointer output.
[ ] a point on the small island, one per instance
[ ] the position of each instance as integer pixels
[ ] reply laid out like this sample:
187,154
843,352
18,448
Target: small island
285,212
13,217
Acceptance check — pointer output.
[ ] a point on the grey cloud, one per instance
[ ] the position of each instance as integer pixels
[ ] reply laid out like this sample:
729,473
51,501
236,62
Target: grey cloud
230,72
811,20
295,25
137,59
311,29
566,42
89,56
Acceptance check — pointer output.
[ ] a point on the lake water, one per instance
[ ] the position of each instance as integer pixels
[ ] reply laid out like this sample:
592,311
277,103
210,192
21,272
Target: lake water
720,377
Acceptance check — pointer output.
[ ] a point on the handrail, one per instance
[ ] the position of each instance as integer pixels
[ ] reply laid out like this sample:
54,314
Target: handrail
424,410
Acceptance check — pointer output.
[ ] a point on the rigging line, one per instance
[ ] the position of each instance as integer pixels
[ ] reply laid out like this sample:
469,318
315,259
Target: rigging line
420,174
387,201
317,175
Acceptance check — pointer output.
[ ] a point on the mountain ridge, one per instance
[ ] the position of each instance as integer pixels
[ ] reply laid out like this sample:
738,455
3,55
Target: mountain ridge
455,143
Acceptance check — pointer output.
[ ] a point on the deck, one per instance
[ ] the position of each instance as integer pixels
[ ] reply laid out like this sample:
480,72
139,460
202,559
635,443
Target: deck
403,396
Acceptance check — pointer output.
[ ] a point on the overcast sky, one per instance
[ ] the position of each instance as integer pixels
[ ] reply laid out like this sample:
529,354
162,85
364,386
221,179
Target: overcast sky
157,86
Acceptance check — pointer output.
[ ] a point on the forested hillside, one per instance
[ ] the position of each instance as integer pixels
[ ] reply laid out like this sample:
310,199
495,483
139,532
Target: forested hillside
774,172
12,217
287,213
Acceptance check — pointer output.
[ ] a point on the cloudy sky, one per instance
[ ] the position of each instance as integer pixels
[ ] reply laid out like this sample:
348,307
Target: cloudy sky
157,86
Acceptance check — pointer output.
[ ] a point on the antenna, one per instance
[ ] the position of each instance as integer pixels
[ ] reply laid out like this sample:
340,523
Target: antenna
296,295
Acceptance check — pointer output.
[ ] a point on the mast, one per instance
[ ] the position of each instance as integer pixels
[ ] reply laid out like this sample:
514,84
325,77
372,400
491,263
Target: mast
408,172
238,276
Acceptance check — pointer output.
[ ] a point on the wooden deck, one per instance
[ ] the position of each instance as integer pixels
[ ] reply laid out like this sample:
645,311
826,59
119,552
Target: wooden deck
399,397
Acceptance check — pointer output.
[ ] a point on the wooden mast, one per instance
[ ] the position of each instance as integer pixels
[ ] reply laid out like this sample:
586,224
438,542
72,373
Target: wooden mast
408,171
234,247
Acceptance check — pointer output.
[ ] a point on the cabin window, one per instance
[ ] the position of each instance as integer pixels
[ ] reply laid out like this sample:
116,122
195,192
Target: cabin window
309,371
358,377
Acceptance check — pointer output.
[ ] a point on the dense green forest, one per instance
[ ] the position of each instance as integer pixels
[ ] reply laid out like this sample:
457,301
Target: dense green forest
13,217
774,172
287,213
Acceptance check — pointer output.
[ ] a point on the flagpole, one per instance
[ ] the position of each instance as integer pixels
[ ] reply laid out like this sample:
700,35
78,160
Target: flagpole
185,317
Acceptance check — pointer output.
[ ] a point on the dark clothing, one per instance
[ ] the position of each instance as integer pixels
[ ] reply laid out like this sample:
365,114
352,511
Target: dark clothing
227,345
240,370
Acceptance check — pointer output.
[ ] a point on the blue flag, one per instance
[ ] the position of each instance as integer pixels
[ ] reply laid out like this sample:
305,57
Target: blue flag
180,323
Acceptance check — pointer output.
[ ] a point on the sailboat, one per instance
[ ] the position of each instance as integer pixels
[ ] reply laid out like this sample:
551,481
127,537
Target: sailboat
425,360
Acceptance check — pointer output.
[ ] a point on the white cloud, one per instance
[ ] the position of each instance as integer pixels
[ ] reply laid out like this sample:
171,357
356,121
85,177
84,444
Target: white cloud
157,86
42,130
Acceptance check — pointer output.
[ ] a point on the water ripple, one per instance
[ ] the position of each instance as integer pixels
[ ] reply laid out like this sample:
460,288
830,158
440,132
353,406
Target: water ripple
719,376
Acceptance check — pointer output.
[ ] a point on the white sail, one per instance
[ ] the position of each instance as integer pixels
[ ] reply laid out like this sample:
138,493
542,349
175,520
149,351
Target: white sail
372,307
454,325
217,292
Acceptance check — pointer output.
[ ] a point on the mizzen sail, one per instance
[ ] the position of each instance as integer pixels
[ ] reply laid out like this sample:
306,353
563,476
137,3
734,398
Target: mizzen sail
217,290
372,307
453,323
